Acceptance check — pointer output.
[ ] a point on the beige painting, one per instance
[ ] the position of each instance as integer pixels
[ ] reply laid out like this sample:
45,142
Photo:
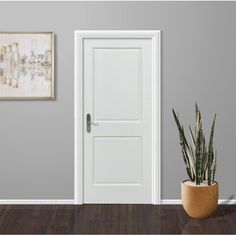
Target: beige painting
26,65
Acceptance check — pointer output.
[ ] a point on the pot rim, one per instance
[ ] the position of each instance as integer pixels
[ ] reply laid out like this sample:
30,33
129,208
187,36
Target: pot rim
197,186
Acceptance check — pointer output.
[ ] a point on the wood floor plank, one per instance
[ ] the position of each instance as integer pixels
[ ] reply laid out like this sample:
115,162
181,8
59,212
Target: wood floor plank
112,219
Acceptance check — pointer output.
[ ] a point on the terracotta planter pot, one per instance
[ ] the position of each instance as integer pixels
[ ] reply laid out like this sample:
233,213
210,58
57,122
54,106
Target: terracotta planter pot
201,201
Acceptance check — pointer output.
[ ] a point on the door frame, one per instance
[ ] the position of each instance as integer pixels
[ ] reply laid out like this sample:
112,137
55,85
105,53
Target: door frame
79,36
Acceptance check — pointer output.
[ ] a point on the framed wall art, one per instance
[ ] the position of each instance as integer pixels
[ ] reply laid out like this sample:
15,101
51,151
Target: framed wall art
26,65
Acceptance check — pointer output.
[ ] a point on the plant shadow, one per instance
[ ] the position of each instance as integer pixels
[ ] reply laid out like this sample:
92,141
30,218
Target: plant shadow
223,212
226,211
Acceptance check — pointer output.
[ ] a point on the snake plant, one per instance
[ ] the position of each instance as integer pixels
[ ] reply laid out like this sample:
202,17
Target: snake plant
199,158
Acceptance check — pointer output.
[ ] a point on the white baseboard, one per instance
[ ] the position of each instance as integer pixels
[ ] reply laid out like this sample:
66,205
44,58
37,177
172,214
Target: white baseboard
37,201
72,202
171,201
179,201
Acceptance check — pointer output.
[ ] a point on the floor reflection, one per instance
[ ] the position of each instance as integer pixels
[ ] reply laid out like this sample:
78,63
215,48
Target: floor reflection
217,223
112,219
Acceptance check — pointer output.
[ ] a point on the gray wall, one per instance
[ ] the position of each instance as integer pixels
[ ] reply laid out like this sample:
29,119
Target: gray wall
198,64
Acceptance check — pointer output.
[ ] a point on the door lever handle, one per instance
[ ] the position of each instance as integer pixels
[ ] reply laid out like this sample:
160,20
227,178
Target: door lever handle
89,123
93,123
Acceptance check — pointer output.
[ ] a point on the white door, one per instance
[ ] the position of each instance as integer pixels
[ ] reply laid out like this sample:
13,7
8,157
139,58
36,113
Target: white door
118,119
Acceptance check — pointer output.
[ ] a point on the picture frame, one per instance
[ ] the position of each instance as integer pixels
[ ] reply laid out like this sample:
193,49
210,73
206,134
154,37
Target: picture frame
27,65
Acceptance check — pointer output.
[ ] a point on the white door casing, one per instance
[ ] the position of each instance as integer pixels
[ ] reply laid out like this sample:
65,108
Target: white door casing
117,82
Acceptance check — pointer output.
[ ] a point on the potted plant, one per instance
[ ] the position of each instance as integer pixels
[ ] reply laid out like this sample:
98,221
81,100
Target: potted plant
200,192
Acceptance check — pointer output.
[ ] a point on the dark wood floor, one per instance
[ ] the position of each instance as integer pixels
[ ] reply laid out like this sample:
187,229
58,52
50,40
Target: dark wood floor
112,219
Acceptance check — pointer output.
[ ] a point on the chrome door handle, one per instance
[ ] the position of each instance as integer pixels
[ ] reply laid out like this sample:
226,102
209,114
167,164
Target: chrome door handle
89,123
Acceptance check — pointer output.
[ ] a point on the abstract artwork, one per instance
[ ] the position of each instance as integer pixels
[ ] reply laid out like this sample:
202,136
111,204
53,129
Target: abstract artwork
26,65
